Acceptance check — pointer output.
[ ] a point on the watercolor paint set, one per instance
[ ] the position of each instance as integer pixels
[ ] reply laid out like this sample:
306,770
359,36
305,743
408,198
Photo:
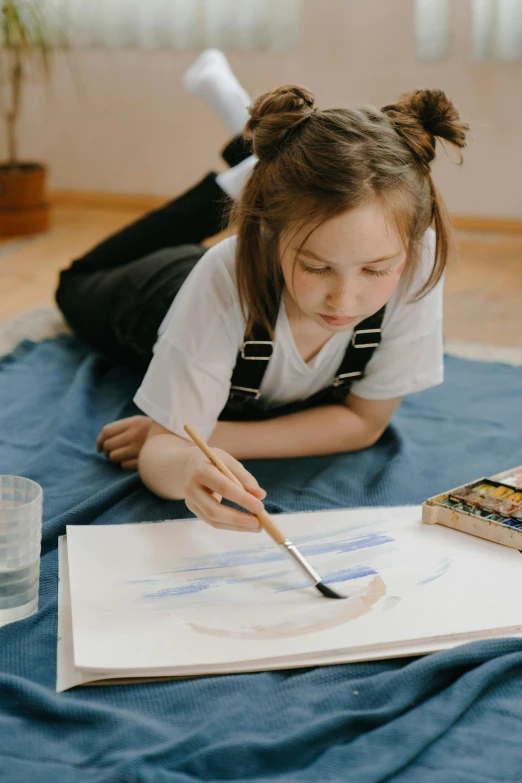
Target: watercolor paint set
490,508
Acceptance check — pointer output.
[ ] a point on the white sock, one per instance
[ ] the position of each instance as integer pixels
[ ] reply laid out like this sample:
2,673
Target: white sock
211,78
233,179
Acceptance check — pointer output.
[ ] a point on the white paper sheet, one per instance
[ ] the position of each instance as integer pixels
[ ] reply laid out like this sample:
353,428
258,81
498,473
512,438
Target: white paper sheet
181,598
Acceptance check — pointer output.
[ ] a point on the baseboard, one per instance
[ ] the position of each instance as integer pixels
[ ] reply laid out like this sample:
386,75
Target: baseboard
94,199
78,198
481,223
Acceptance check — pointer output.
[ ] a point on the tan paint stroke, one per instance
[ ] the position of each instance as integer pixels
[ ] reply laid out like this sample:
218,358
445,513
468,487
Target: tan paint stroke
346,611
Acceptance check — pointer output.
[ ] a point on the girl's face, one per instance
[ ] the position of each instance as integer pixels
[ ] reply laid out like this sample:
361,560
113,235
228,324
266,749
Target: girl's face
346,271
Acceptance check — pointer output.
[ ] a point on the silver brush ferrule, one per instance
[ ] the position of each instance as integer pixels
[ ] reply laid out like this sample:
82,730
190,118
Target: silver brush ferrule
302,563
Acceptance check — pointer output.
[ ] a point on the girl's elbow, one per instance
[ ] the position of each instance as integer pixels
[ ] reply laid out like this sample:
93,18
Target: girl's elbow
372,435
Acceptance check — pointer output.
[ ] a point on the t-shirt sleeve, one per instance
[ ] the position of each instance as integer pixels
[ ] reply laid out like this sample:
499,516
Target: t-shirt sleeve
188,379
410,357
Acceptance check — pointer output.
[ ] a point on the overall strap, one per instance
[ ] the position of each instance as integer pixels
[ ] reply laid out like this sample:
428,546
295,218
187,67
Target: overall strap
253,357
366,338
251,364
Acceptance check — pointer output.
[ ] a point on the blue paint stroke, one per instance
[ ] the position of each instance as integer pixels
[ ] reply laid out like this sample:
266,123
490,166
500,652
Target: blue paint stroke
348,573
333,577
198,585
182,589
260,578
204,583
351,545
270,554
332,534
442,567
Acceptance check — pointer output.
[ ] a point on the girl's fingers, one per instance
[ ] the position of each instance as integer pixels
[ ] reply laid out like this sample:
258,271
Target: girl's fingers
211,478
110,430
120,455
125,431
116,442
218,525
218,514
208,486
239,529
247,479
130,464
103,436
259,493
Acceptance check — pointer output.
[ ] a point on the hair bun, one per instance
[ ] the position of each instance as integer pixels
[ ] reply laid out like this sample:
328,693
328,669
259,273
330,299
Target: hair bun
274,116
421,116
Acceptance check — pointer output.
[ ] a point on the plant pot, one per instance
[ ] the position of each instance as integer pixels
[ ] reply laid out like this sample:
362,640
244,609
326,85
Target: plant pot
23,209
19,222
22,186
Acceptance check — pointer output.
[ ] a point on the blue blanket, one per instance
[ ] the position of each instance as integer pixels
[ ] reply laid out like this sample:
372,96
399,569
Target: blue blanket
454,716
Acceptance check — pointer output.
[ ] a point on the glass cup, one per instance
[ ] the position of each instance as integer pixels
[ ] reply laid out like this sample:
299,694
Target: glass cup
20,544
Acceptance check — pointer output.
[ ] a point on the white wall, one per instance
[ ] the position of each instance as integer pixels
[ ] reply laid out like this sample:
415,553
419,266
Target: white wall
127,126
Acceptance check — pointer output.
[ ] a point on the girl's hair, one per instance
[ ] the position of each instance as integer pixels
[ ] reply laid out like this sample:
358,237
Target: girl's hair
314,165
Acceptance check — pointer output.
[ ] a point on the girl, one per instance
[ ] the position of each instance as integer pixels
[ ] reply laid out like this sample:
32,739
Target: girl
300,335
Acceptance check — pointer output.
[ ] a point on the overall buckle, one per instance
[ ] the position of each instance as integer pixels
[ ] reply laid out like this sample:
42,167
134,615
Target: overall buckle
365,331
250,394
340,379
257,358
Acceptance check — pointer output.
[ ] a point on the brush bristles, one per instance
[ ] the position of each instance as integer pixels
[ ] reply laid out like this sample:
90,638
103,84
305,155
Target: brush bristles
327,591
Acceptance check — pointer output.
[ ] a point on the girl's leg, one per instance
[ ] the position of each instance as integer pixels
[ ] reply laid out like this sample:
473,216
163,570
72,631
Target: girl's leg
211,78
236,151
198,213
117,294
189,219
97,293
118,310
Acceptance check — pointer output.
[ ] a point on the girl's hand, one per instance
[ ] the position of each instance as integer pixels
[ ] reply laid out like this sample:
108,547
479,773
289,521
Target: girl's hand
123,440
206,486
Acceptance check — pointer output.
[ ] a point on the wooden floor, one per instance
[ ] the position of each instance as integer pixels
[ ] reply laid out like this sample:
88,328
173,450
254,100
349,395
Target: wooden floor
28,276
483,300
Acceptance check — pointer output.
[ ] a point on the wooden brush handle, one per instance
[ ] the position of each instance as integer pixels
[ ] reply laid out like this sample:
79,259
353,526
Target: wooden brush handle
265,520
268,524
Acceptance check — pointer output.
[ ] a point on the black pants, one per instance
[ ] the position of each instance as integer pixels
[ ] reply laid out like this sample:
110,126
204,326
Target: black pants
116,295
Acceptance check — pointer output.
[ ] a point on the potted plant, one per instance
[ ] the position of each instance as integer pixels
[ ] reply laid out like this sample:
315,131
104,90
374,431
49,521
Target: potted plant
25,43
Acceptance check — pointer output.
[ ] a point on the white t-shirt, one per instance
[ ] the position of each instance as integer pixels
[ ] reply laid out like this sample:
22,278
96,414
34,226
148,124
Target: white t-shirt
188,380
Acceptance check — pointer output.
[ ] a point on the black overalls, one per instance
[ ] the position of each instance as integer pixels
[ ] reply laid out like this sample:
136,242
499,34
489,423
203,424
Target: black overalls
244,401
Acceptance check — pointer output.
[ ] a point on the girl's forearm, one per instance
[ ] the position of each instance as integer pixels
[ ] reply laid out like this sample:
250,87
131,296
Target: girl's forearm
164,465
329,429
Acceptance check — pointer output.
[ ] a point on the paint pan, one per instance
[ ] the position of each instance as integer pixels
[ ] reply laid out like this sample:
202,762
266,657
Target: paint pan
489,508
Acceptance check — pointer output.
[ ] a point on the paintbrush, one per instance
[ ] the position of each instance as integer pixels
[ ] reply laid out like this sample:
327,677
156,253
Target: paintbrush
266,522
